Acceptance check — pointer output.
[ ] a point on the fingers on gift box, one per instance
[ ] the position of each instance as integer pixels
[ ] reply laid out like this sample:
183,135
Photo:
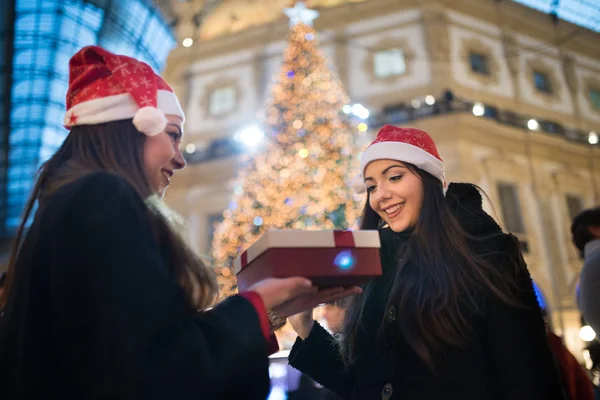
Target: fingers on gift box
327,258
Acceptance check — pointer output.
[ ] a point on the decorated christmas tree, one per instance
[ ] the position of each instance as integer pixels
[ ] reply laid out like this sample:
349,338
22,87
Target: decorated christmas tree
300,178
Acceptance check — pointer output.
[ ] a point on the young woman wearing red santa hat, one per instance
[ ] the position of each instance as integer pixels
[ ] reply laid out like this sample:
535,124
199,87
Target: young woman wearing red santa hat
103,299
454,315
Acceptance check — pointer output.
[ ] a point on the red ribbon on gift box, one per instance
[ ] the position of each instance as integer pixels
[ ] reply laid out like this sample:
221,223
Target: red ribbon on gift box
343,239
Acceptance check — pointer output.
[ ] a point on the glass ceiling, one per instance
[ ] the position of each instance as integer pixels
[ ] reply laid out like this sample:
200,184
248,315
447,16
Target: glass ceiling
47,34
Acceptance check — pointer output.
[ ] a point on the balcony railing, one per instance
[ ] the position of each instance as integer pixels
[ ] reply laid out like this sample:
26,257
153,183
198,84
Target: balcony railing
405,113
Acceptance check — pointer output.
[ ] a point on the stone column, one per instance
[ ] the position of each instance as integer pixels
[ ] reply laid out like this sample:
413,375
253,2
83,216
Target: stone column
436,30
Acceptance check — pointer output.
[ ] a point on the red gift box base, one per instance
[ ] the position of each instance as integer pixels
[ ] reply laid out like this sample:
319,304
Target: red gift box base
325,267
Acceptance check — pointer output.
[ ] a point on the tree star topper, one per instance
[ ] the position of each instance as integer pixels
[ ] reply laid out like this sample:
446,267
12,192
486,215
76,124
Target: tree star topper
301,14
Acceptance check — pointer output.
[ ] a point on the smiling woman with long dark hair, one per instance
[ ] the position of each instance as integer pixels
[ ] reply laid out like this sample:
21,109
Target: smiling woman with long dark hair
454,315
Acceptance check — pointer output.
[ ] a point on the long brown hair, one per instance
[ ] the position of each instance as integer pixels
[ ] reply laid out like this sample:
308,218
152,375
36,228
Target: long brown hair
433,300
117,147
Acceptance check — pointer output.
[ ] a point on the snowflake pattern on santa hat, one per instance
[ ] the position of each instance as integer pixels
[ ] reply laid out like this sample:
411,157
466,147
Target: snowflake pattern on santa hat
412,136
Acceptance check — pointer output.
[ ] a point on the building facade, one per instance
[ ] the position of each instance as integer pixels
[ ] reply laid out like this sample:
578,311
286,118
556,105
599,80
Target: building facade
511,97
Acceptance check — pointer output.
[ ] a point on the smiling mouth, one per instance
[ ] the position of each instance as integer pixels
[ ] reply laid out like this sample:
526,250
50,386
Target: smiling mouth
394,210
167,175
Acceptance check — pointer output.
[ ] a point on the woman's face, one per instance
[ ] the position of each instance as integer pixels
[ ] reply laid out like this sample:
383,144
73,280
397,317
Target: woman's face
395,193
162,155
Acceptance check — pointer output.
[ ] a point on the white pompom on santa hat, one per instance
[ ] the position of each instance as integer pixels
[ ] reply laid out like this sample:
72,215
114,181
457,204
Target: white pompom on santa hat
407,145
105,87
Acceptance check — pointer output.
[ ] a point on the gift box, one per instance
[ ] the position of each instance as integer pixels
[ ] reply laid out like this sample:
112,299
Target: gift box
327,258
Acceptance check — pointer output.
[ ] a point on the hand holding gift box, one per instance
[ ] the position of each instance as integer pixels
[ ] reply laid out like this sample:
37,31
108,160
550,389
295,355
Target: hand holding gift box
327,258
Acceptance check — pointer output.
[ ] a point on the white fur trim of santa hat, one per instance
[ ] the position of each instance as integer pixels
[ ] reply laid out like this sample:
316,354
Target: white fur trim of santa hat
403,152
148,120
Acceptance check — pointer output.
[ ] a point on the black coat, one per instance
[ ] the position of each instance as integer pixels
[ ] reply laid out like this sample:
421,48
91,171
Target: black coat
509,360
94,314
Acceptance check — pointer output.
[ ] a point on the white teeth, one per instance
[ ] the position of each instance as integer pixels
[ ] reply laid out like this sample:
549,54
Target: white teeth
393,209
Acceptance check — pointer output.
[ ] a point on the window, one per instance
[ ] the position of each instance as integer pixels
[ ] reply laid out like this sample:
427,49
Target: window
222,101
574,205
389,63
479,63
511,209
542,82
594,95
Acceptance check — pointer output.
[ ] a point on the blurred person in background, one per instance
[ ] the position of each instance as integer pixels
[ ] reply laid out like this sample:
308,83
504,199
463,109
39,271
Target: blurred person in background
585,230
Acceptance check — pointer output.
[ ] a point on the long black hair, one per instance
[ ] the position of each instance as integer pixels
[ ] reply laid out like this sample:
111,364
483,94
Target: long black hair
435,299
117,147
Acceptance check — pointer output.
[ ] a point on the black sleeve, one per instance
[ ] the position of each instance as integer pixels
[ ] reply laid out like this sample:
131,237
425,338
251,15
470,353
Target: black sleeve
521,361
318,356
122,325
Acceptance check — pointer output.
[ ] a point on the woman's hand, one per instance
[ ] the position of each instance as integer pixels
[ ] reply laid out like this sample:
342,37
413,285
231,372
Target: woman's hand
309,301
291,296
303,322
278,291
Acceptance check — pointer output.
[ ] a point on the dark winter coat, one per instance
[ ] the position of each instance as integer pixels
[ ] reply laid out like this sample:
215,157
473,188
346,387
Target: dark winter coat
94,314
510,359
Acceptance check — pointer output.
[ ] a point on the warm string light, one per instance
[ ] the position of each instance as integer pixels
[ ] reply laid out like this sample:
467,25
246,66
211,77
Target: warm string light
299,180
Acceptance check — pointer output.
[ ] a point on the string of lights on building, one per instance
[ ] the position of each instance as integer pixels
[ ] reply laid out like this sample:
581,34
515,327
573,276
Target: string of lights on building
429,106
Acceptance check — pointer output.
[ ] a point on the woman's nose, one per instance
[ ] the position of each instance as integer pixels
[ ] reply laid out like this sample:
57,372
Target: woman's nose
178,159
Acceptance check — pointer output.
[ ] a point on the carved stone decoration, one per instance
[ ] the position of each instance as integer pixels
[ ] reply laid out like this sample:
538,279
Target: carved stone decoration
568,64
438,39
511,53
341,57
183,87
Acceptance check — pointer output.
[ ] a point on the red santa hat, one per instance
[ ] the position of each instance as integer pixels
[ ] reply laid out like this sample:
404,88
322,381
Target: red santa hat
105,87
407,145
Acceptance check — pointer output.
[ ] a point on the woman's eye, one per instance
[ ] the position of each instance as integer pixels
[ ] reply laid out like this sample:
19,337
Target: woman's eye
396,177
370,188
174,135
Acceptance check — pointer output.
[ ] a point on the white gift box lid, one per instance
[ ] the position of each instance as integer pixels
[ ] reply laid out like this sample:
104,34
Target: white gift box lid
307,239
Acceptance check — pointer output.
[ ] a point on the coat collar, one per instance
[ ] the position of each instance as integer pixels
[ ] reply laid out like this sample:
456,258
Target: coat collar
466,204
